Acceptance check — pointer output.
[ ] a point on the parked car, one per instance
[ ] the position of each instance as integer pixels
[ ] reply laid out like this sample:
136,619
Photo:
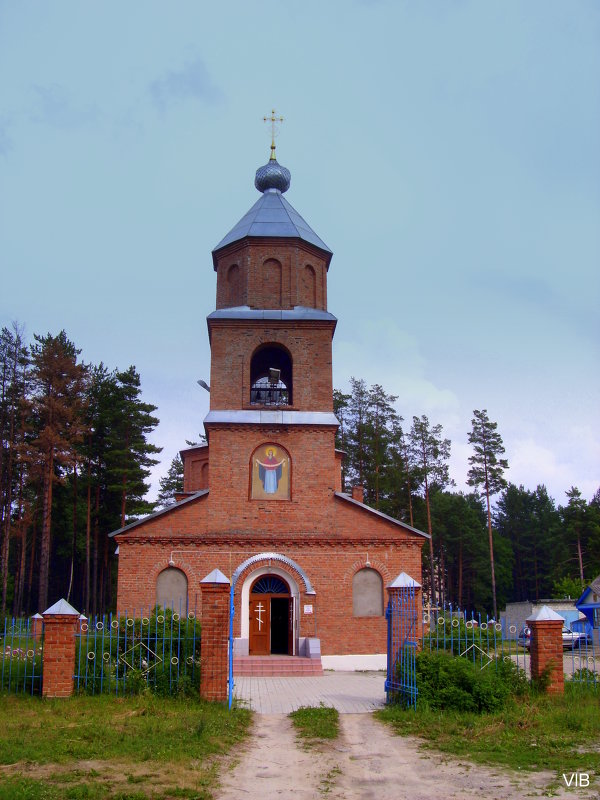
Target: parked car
570,639
524,637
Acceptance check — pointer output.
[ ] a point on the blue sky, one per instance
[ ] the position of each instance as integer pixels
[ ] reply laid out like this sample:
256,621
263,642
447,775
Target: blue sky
447,151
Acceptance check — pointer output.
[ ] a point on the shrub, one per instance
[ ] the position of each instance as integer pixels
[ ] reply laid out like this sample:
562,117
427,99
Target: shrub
445,681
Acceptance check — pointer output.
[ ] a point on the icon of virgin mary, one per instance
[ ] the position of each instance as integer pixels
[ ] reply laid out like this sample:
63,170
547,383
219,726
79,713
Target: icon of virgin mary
270,471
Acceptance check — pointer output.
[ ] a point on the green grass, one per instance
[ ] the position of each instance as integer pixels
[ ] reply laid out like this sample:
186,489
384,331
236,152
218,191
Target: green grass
312,722
534,732
105,747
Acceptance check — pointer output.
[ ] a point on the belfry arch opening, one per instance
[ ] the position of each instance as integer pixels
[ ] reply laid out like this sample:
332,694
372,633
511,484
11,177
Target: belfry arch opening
271,376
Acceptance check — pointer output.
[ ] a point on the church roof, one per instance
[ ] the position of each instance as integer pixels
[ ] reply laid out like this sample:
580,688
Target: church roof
348,499
273,217
167,510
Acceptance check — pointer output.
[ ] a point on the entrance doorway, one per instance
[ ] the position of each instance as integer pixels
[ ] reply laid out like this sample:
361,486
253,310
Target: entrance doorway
271,617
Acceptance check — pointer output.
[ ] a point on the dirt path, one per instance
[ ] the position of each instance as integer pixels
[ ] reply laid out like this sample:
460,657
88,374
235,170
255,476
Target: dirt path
366,762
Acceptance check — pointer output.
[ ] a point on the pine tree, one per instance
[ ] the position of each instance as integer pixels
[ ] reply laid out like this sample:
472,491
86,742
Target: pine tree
131,452
581,522
57,426
340,409
13,384
430,454
487,472
459,522
171,483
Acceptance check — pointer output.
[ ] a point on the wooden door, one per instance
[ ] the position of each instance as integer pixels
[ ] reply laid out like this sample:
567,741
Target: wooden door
260,625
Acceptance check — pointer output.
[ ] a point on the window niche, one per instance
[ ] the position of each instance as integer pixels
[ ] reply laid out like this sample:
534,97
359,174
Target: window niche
367,593
271,376
172,590
234,286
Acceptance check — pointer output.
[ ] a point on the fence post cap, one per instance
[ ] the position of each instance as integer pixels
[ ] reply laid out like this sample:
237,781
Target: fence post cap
545,614
37,616
61,607
216,576
402,581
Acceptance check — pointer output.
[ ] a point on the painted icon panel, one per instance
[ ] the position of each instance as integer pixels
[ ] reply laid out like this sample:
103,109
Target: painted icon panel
270,473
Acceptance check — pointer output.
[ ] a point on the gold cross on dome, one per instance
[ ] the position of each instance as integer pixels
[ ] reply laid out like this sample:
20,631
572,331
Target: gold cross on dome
274,120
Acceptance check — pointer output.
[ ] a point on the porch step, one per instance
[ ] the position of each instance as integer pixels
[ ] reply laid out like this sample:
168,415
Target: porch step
276,666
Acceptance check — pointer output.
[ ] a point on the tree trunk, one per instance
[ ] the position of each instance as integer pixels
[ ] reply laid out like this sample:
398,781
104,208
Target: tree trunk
20,587
74,543
491,540
96,547
88,530
580,558
460,573
31,562
123,500
46,526
429,529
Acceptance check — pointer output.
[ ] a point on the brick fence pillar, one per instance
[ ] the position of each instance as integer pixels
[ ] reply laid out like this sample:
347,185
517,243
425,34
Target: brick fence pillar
546,648
60,625
405,594
214,670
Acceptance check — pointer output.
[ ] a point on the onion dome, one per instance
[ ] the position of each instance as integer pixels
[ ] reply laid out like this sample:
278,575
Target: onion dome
272,176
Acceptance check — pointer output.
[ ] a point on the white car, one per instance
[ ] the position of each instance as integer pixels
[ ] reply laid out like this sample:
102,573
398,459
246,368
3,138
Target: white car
570,639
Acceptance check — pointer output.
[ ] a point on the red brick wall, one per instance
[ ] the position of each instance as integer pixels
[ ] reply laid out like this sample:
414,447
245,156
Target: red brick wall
195,469
233,343
547,653
312,473
246,285
215,640
330,555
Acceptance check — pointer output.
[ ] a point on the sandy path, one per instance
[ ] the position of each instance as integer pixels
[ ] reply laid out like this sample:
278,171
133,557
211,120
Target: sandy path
366,762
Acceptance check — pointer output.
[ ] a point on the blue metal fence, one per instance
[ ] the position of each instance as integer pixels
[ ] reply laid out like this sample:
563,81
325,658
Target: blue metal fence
474,636
486,642
402,618
22,644
159,651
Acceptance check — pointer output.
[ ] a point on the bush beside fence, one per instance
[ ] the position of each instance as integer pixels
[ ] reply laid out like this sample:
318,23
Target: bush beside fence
489,646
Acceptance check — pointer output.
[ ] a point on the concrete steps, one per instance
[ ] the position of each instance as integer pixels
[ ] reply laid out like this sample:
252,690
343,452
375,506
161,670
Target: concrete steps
276,666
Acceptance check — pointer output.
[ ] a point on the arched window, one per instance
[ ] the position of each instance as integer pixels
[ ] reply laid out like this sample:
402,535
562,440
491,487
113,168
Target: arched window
270,584
234,282
172,589
270,473
367,593
271,272
271,376
308,287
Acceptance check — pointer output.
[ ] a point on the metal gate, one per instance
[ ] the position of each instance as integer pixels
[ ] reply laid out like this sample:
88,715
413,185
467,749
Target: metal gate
402,619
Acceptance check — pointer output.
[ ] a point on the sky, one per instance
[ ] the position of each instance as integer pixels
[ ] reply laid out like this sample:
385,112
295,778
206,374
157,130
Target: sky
447,152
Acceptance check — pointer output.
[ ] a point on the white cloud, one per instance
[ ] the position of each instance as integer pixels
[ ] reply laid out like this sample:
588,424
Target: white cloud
532,463
379,351
191,81
55,107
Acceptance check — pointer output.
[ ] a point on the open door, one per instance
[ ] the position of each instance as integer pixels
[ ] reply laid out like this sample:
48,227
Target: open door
271,617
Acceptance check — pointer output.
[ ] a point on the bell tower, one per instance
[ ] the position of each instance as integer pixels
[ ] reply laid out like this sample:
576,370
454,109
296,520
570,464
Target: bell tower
271,427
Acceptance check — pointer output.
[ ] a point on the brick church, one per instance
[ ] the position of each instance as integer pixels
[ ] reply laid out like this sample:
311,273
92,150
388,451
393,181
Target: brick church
263,501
